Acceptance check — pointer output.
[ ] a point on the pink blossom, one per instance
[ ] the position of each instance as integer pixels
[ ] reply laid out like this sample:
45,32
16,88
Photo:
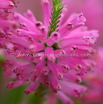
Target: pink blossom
94,16
58,61
93,11
95,90
5,7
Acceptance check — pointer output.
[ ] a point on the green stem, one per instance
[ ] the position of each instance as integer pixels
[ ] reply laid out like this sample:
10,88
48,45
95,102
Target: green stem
55,15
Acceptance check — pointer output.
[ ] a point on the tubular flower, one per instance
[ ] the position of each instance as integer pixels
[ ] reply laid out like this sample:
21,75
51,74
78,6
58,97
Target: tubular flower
85,6
5,6
58,60
95,90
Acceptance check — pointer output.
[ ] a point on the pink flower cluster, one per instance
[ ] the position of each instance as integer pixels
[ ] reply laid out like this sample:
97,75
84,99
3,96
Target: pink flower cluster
5,6
26,35
95,90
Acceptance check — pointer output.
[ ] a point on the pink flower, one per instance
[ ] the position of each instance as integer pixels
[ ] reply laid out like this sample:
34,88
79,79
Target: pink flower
5,6
95,90
94,16
68,88
58,61
93,11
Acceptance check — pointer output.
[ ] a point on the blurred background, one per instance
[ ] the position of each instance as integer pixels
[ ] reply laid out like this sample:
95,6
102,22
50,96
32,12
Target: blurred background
92,10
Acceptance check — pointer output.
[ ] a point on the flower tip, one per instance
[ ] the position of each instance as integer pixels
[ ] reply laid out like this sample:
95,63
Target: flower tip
27,91
55,35
29,12
65,68
70,26
11,4
60,76
15,25
76,93
82,18
78,79
34,76
59,88
44,2
45,70
10,85
42,29
16,16
2,34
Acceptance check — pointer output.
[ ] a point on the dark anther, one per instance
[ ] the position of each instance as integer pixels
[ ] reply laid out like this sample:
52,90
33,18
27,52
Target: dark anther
55,34
37,24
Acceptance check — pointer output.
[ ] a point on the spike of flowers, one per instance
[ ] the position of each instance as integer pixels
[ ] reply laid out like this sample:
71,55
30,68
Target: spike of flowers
35,54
